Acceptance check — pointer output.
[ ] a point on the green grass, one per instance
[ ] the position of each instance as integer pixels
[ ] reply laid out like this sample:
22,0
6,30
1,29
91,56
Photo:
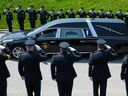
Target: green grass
58,4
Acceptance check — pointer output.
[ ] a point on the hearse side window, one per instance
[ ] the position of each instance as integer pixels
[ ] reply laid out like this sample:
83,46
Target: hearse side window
110,29
71,33
87,32
48,33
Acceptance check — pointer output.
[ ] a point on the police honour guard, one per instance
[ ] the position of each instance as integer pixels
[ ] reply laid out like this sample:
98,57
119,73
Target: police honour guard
29,68
110,14
9,18
70,13
32,16
119,15
52,15
62,69
4,72
20,16
91,13
82,13
43,15
124,72
101,13
60,14
98,67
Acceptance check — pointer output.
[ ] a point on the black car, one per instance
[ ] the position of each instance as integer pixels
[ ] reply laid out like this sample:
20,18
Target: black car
81,33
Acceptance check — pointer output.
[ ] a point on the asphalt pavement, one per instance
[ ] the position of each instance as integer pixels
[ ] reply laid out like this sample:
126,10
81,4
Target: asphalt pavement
82,84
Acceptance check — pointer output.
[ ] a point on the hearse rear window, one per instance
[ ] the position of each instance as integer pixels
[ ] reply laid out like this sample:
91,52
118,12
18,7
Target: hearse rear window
110,29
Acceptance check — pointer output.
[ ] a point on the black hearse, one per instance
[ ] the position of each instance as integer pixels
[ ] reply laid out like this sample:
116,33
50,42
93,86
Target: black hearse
81,33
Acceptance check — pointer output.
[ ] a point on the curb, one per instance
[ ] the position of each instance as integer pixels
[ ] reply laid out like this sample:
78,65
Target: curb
6,30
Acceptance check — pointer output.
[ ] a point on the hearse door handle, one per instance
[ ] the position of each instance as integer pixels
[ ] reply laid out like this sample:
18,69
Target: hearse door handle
52,42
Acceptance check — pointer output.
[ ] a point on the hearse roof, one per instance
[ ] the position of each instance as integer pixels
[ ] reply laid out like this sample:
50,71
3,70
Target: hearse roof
80,20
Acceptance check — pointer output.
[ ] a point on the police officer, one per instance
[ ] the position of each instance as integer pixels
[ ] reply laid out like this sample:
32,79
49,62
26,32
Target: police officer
62,69
29,70
124,72
70,13
52,15
119,15
32,16
101,13
43,15
110,14
91,13
126,17
4,73
20,16
98,67
82,13
60,14
9,18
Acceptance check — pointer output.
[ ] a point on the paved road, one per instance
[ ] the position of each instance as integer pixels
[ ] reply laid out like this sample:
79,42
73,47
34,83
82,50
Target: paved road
82,84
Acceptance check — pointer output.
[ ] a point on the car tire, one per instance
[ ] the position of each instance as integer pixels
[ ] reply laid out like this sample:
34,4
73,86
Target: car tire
17,51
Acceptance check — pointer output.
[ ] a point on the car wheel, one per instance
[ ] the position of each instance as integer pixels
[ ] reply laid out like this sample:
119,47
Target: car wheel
17,51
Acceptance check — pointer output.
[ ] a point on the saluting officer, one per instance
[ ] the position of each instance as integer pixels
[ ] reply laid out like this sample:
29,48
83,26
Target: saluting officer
60,14
32,16
70,13
126,17
98,67
119,15
91,13
62,69
4,73
124,72
52,15
101,13
20,16
43,15
82,13
29,68
110,14
9,18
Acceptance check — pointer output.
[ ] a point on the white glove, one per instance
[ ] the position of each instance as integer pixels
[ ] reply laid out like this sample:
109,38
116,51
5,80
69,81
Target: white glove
91,78
1,47
38,48
108,47
72,49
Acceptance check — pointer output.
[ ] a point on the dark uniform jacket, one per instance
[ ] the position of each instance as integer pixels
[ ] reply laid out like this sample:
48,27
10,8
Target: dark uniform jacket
60,14
62,67
32,15
98,67
119,15
29,66
9,17
70,14
124,68
43,14
4,73
82,14
110,15
20,15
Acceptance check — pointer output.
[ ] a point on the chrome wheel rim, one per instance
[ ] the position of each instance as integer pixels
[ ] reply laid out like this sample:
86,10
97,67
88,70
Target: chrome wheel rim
17,51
